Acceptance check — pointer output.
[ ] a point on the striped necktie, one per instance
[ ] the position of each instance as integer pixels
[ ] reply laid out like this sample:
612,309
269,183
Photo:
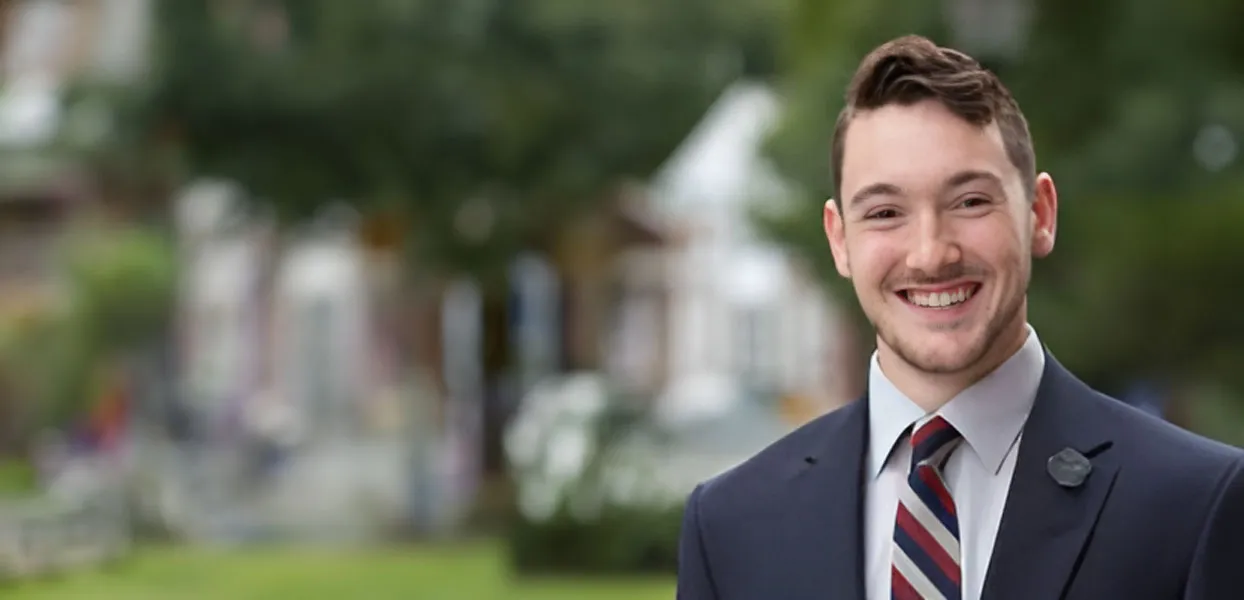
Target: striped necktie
926,530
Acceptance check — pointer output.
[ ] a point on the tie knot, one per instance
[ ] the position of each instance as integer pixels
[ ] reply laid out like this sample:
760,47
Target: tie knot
932,442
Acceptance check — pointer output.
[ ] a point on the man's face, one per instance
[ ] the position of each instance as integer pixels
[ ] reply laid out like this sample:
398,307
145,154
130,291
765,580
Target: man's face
937,234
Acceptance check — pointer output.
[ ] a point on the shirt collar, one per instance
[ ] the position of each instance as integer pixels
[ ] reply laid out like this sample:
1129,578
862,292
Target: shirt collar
990,414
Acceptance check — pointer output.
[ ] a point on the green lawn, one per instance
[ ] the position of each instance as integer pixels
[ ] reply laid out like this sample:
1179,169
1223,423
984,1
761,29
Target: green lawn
466,572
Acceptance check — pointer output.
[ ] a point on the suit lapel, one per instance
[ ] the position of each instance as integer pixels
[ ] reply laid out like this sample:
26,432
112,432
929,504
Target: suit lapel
824,521
1044,525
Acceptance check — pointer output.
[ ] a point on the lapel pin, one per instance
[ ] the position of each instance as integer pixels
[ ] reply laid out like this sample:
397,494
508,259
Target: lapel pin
1069,468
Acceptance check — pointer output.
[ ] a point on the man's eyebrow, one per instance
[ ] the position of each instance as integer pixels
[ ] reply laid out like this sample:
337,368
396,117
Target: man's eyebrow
882,188
875,189
969,176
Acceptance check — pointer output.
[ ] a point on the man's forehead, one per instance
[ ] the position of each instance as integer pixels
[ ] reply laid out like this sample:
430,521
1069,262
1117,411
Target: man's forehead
918,145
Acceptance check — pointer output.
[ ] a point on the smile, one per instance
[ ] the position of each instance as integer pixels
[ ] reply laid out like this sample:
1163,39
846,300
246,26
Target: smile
943,298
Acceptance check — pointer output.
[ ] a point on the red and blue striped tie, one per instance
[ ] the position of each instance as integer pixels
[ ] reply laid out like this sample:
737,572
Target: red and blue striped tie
926,531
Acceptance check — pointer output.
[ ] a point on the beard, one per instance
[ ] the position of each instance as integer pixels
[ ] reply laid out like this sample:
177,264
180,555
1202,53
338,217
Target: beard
963,357
961,360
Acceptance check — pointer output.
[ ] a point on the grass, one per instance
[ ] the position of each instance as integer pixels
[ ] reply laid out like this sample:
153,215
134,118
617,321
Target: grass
460,572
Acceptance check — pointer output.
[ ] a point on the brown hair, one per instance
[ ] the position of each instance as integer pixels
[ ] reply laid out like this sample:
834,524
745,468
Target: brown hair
911,69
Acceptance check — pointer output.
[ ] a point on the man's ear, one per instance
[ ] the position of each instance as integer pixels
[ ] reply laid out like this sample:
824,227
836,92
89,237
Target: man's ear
1044,216
835,232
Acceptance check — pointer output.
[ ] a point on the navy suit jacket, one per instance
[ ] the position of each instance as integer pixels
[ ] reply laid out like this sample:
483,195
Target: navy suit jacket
1160,516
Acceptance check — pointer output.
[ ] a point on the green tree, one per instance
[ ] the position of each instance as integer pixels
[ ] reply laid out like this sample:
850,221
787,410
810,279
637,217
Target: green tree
510,115
120,287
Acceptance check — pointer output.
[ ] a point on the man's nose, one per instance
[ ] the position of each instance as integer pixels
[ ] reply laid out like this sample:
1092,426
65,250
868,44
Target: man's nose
933,246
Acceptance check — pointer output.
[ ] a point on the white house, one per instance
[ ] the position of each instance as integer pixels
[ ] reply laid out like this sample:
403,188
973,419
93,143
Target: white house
728,308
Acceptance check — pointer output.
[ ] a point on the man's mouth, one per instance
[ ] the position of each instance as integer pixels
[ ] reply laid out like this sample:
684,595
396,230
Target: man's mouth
941,298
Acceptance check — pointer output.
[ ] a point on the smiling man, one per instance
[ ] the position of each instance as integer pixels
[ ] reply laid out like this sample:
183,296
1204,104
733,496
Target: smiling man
976,466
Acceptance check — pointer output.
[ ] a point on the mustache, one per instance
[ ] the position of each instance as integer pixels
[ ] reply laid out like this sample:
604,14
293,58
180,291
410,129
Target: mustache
917,278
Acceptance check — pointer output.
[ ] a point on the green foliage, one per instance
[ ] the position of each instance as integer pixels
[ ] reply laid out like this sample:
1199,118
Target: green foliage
528,110
1219,415
17,478
121,289
124,286
1148,299
52,364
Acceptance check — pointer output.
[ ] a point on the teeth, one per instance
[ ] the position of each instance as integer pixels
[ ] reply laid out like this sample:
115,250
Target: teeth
942,299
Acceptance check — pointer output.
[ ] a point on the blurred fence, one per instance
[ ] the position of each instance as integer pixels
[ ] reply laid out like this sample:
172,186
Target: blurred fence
39,538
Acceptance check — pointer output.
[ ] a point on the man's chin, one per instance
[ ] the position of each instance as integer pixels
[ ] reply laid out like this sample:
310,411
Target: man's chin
953,354
942,365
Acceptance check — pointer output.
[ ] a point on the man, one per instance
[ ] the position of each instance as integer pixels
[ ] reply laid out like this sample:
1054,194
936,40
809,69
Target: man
976,466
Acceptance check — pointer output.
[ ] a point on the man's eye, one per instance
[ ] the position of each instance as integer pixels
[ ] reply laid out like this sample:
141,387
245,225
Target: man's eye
885,213
975,201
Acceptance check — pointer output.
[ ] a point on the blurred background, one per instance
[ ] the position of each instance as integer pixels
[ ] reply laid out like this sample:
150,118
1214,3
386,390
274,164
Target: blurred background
457,299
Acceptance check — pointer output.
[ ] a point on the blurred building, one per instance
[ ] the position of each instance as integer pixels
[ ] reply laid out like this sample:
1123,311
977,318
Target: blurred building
60,40
738,306
671,292
43,45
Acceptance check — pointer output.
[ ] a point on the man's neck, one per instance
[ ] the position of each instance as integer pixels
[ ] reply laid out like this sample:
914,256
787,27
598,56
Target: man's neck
930,391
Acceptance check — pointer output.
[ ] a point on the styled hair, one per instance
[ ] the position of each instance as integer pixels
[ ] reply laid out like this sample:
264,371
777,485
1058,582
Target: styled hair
912,69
